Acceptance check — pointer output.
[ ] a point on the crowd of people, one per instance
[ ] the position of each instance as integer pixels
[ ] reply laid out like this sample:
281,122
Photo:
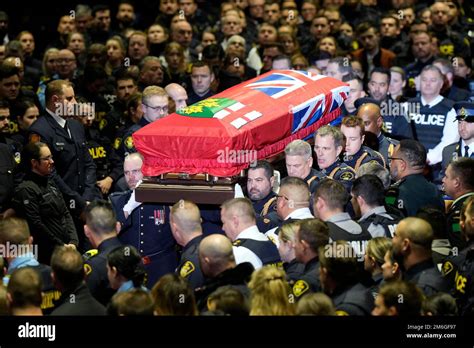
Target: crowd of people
376,206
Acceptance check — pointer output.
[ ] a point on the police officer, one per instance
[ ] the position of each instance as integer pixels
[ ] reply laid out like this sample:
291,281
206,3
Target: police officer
339,274
260,183
75,172
433,122
39,201
370,114
299,162
116,119
155,104
249,244
145,225
108,163
328,145
411,190
465,146
101,230
185,222
458,269
355,153
7,166
411,247
311,235
13,146
293,202
368,192
458,183
329,201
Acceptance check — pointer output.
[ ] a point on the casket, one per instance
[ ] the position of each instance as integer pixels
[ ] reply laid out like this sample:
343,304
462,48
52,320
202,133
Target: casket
200,151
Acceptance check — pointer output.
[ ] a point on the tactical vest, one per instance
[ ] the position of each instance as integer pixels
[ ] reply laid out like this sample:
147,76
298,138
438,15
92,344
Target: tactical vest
265,250
429,122
389,224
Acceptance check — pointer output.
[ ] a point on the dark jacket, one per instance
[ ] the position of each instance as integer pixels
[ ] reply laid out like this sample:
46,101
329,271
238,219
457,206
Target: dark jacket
39,201
75,172
83,304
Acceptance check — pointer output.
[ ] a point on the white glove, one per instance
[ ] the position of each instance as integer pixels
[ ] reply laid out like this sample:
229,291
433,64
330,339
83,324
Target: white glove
131,204
238,191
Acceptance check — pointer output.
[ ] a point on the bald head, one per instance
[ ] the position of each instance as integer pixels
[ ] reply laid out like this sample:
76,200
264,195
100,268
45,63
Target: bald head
132,169
417,230
215,255
178,94
370,115
185,221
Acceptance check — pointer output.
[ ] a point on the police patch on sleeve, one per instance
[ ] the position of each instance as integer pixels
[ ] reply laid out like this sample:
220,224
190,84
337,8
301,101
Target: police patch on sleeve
347,176
117,143
129,142
300,288
340,313
447,268
102,123
187,269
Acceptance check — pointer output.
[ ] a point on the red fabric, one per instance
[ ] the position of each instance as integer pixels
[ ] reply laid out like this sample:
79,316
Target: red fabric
184,144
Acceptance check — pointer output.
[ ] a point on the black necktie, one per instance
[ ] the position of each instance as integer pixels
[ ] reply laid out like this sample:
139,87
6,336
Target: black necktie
466,151
66,129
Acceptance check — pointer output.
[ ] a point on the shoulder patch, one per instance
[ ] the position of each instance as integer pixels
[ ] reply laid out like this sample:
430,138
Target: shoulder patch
447,268
102,124
87,269
17,157
266,221
34,138
128,142
117,143
340,313
187,269
89,254
300,288
347,176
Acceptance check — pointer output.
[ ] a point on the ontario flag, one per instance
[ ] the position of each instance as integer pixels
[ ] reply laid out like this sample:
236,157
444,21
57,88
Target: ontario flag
261,115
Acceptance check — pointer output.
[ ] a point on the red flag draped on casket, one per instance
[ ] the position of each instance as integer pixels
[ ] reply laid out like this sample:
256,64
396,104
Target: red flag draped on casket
253,120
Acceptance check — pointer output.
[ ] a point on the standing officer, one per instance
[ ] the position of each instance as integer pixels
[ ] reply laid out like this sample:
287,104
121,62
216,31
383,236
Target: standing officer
459,269
311,235
108,163
101,230
465,146
185,222
260,182
145,225
249,244
299,162
356,154
75,172
328,145
369,112
458,183
411,191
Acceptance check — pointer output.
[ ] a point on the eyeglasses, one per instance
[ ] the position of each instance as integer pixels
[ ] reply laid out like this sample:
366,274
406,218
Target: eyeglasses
396,158
281,196
157,108
3,118
47,158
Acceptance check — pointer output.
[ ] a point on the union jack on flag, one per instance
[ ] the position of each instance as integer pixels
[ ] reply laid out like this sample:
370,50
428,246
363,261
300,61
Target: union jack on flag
280,84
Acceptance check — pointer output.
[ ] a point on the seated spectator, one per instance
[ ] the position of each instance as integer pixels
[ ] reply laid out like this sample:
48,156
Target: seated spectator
24,295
